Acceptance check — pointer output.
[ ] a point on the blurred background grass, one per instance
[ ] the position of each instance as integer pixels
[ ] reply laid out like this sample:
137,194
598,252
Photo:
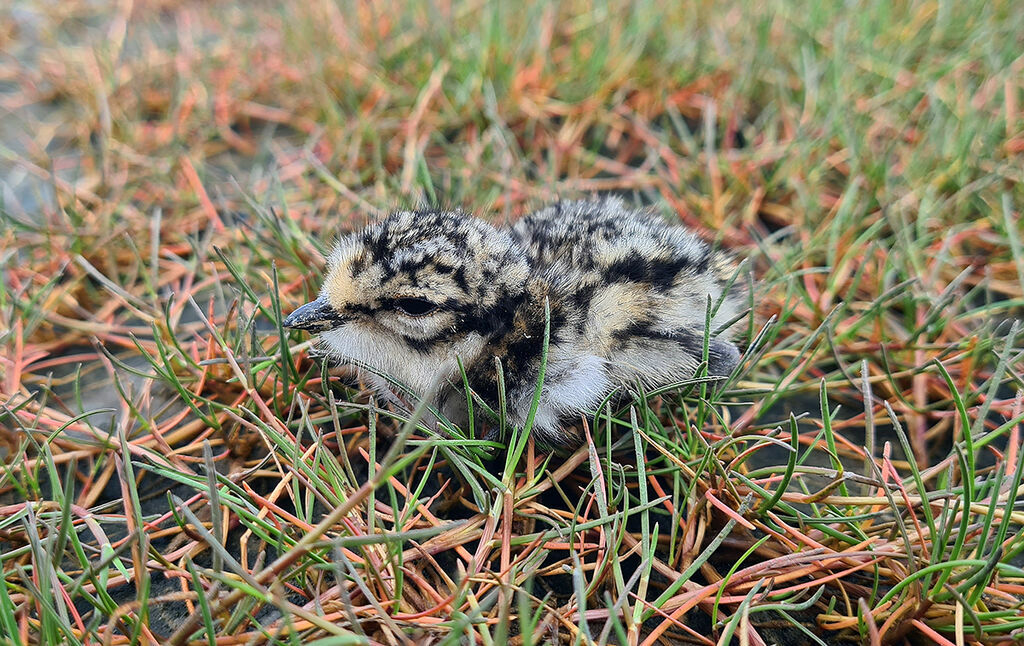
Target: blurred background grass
173,173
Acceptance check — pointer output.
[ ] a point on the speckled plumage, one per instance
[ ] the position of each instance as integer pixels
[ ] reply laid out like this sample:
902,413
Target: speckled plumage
626,291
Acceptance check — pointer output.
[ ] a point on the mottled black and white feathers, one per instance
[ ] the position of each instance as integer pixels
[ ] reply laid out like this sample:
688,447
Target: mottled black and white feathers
627,294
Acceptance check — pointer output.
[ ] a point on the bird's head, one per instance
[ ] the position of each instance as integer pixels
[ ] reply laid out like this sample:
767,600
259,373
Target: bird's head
413,291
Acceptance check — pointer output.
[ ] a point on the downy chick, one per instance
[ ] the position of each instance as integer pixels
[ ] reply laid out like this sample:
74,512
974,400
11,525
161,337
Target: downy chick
627,295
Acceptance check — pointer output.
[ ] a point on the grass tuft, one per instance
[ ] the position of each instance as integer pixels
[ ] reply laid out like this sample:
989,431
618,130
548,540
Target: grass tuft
176,468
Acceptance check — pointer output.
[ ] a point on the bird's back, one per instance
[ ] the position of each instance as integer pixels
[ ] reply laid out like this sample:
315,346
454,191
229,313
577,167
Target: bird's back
640,286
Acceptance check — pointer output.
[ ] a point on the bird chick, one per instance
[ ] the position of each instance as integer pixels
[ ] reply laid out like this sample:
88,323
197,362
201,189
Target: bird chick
626,294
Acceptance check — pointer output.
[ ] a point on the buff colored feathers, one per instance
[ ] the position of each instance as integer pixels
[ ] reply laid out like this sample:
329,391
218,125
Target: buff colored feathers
414,294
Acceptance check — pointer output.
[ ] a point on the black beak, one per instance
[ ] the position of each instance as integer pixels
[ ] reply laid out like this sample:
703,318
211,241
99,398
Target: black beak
316,316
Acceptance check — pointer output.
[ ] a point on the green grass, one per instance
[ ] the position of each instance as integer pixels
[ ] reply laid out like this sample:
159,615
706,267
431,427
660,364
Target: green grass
174,175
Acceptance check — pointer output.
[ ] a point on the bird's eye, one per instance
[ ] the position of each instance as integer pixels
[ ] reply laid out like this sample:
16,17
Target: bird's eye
414,306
